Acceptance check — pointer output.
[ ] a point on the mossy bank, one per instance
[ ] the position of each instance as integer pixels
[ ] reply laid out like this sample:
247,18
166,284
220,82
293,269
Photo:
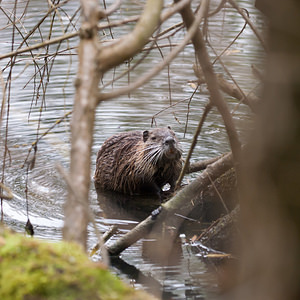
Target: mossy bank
33,269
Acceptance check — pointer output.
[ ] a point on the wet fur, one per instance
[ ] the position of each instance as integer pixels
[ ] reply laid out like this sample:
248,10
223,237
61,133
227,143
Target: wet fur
136,162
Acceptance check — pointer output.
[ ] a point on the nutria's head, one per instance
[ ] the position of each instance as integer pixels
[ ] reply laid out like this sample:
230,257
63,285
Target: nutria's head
161,144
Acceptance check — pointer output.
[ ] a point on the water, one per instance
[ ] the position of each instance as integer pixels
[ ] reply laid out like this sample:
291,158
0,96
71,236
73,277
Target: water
189,278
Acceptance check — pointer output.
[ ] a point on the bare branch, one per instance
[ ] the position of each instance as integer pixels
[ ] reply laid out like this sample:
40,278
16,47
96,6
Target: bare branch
247,19
112,8
114,54
194,142
176,7
155,70
171,11
212,84
220,6
251,100
232,90
88,77
40,45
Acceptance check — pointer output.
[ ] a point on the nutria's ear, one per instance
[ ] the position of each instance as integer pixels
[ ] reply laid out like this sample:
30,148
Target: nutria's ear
145,135
169,127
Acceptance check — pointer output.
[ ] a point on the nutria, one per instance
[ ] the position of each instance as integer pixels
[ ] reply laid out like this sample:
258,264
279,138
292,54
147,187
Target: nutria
137,162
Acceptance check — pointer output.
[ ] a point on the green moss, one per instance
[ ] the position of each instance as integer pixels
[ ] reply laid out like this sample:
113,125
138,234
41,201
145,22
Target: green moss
32,270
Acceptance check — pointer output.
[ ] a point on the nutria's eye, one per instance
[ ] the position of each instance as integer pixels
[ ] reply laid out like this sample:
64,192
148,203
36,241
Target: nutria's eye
153,138
145,135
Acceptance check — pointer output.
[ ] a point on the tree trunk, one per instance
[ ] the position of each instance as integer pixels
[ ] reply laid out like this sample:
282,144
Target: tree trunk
270,210
88,76
93,60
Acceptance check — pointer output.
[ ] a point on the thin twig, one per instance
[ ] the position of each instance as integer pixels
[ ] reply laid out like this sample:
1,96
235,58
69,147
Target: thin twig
74,34
247,19
194,142
212,84
35,143
105,237
155,70
218,193
232,42
40,45
112,8
220,6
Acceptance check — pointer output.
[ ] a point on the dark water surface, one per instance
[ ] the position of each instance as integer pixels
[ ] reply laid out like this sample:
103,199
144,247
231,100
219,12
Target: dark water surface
189,277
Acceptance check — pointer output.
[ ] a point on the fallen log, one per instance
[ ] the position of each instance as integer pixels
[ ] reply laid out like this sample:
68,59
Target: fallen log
182,203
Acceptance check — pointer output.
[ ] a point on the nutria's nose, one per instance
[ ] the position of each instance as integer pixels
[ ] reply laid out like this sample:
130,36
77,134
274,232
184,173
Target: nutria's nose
169,141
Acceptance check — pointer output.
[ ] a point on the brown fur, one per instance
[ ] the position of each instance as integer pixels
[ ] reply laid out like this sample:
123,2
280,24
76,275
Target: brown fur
138,162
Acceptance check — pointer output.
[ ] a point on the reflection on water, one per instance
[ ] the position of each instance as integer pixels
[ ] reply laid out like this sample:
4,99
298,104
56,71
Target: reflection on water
188,277
119,206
